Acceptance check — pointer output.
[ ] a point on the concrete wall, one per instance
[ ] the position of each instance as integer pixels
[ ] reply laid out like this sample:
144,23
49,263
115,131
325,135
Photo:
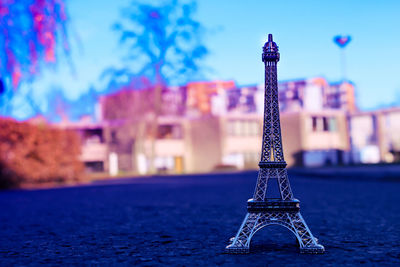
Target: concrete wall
292,136
202,144
303,145
319,140
377,133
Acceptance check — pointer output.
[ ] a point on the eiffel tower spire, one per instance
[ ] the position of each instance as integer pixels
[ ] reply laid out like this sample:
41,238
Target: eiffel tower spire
272,141
262,210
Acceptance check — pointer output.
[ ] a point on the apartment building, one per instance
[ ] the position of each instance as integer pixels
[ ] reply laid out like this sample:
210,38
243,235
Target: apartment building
169,147
374,136
200,94
94,149
204,126
316,94
313,138
241,138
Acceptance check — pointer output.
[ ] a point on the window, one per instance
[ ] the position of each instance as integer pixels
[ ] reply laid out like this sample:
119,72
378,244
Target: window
246,128
254,128
332,125
314,124
113,137
169,132
243,128
325,124
237,129
93,135
230,128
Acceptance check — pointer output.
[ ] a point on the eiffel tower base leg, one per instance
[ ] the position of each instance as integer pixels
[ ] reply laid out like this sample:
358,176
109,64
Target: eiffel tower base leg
240,244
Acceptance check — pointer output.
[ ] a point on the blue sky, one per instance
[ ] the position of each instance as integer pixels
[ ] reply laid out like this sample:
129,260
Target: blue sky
304,31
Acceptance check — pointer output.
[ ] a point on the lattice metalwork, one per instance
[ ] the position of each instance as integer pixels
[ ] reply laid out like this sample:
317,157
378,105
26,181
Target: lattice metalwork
264,175
292,221
262,210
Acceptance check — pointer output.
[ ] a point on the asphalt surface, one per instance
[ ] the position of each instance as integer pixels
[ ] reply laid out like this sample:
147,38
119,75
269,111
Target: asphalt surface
188,220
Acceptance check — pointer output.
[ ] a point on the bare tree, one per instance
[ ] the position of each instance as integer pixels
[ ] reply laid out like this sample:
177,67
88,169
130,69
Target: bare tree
164,45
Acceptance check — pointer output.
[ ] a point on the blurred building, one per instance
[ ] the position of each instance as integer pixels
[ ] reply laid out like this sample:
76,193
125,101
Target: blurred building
170,147
94,150
312,138
204,126
207,125
206,143
375,136
181,144
341,96
313,118
200,94
130,119
316,94
241,137
245,99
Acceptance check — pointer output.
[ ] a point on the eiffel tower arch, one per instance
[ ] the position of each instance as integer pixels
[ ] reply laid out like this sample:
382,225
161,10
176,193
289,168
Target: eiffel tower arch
261,209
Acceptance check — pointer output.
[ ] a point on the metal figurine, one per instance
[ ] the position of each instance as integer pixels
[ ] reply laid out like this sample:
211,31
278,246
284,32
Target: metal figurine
263,211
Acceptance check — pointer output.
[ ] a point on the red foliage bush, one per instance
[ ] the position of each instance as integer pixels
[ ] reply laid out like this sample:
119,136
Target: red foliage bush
34,154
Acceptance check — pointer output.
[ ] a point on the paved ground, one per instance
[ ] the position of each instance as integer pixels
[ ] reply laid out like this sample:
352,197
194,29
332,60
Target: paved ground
187,221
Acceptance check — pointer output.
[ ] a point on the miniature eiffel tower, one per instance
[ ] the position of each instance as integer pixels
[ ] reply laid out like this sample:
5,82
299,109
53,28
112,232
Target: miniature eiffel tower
263,211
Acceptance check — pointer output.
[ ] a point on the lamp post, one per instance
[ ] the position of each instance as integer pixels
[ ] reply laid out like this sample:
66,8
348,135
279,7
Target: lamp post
342,41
